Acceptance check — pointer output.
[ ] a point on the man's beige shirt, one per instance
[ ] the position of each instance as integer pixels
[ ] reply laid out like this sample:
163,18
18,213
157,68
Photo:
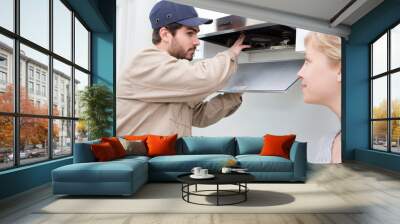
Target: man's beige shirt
162,95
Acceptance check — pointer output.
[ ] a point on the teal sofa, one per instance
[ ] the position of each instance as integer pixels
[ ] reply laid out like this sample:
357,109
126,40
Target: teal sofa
125,176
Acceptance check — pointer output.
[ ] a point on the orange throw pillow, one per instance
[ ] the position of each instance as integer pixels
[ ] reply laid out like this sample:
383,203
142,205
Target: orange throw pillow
136,137
103,151
161,145
116,145
277,145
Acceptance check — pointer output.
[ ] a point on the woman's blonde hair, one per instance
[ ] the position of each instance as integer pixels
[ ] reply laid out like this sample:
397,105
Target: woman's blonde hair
329,45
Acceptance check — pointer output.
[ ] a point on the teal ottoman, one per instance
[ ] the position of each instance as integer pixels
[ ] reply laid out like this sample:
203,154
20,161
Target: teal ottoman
118,177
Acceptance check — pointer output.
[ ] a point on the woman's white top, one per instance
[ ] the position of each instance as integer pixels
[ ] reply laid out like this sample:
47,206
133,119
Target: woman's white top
323,153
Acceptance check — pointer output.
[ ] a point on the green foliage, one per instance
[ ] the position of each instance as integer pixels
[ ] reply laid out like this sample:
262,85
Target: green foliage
97,104
380,127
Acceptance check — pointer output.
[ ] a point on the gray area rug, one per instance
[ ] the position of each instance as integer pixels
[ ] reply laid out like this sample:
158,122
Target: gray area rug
166,198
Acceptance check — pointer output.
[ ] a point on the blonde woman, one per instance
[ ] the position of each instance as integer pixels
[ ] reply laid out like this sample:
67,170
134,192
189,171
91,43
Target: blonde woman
321,84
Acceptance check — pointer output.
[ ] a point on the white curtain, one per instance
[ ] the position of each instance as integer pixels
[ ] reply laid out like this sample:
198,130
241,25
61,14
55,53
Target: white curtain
133,29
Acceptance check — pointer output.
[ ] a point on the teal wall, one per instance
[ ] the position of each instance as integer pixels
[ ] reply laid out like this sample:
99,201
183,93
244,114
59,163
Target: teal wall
100,17
24,178
356,126
103,64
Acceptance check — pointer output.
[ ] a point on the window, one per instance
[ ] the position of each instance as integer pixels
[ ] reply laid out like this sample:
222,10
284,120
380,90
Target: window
37,74
3,72
81,81
30,72
62,140
81,45
3,61
7,14
43,90
38,89
30,88
54,125
35,22
62,75
3,78
62,29
6,74
385,91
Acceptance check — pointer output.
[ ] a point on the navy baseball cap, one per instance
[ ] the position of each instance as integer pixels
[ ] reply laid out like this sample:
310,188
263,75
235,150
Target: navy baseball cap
165,12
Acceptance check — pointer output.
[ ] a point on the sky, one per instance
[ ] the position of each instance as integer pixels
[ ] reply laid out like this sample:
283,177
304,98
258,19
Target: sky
380,65
35,27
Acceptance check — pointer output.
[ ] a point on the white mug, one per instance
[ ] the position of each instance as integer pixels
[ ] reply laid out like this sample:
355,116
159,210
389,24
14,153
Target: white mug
203,172
196,170
226,170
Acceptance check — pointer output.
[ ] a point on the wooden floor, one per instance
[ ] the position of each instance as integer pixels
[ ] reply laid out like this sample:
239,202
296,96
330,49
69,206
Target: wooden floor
377,188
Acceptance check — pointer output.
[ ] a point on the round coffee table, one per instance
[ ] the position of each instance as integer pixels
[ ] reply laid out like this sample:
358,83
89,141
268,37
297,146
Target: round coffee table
238,179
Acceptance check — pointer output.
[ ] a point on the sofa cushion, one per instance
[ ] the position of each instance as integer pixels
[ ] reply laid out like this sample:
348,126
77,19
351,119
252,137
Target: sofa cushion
116,145
83,152
206,145
248,145
161,145
134,147
277,145
257,163
185,163
136,137
103,152
132,158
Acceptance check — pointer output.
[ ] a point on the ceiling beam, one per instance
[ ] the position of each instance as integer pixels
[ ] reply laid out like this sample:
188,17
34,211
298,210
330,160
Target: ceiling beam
269,15
346,12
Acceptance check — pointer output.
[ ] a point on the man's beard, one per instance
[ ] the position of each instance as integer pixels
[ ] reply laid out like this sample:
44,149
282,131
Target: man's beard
177,51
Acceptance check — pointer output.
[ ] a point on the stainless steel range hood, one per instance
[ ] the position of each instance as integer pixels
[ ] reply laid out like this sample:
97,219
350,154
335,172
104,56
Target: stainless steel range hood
273,76
260,35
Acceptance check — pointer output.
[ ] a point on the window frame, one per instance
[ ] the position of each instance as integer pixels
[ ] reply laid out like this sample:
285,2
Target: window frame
388,74
15,72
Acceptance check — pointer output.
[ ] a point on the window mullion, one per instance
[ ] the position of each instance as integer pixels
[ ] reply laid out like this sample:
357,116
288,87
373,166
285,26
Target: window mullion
389,106
16,83
73,83
50,81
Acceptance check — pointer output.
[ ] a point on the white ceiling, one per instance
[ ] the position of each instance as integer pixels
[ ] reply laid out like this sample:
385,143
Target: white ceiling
315,15
321,9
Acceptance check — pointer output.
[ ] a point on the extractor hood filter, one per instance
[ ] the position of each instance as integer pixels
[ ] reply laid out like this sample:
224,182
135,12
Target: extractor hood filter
272,77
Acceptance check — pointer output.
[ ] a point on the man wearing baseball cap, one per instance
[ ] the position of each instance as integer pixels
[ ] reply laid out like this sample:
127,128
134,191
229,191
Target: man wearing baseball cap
162,92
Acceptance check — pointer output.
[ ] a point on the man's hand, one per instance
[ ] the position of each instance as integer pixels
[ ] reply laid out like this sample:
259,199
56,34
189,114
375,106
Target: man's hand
238,46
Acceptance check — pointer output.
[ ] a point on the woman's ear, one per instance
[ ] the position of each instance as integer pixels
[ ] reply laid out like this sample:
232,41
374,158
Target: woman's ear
339,73
339,77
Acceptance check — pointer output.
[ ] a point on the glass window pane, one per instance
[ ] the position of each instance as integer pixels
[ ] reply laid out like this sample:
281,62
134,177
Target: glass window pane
395,94
81,45
6,142
62,29
35,21
395,47
62,89
7,14
379,97
379,135
395,136
62,138
81,131
34,78
81,81
33,139
379,55
6,74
